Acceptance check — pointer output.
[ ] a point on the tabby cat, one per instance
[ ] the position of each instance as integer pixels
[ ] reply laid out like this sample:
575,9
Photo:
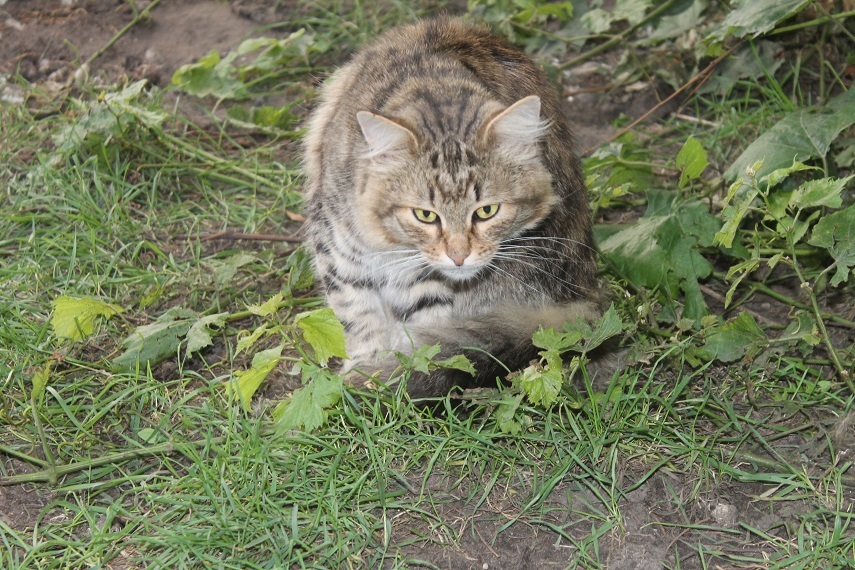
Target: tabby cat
445,204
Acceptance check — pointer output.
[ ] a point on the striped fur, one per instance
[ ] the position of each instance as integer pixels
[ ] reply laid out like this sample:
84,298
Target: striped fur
446,118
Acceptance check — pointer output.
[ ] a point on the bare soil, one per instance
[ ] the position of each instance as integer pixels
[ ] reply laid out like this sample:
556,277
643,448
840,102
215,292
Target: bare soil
47,41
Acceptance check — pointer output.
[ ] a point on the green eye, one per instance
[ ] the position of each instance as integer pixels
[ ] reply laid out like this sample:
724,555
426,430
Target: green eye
425,216
487,212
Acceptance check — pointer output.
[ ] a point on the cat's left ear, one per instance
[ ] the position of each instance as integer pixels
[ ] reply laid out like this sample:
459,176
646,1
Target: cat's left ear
386,139
517,129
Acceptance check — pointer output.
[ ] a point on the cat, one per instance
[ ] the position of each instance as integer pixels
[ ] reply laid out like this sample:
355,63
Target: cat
445,205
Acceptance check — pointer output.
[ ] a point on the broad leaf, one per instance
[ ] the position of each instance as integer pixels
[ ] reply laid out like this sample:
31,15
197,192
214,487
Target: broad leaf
540,385
245,339
818,193
74,317
267,308
506,414
801,135
308,407
249,380
691,160
149,344
324,333
199,334
756,17
41,377
734,339
211,75
836,233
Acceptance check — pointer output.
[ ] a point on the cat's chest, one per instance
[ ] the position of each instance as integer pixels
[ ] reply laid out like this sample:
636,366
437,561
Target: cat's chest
418,302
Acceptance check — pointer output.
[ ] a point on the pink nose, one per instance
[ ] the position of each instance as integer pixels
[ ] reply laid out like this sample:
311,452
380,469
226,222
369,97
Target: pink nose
458,258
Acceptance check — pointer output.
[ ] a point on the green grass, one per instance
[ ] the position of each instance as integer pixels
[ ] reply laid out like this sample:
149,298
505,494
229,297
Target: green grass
160,468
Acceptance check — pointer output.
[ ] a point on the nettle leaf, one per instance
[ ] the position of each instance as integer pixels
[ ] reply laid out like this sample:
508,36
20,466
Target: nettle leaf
756,17
422,358
661,251
456,362
41,377
691,160
818,193
735,212
74,317
606,327
506,414
245,339
551,339
541,385
801,135
803,328
211,75
149,344
324,333
225,269
199,334
267,308
248,381
308,407
675,24
836,233
734,339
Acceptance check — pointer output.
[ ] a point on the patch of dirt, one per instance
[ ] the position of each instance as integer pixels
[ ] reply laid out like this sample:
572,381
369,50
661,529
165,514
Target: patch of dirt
21,505
50,39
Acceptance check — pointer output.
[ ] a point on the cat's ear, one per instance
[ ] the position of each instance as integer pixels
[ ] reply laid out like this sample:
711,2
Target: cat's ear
517,129
386,139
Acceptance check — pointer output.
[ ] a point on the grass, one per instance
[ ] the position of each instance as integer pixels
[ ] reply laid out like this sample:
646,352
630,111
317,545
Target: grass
161,468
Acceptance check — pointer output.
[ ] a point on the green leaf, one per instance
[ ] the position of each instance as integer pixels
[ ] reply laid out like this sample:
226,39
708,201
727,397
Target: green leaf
225,269
267,308
803,328
308,407
211,76
541,386
836,233
74,318
199,334
801,135
756,17
818,193
249,380
506,414
606,327
733,215
675,24
456,362
734,339
423,358
324,333
149,344
41,377
551,339
245,339
691,160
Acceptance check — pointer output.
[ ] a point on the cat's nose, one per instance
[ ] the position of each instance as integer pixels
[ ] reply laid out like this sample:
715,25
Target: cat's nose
458,257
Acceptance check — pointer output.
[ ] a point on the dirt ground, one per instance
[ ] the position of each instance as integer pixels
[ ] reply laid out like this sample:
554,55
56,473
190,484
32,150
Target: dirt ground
46,41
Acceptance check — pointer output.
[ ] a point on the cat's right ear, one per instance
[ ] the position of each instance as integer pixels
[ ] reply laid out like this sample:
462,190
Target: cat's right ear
387,140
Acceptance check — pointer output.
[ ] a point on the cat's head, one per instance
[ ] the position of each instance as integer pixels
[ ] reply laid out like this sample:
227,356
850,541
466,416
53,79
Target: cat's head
453,200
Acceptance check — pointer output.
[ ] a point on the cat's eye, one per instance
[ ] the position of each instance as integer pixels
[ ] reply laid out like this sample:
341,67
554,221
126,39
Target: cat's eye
425,216
487,212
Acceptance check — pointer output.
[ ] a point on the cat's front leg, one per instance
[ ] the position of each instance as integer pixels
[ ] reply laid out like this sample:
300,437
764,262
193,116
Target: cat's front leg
371,336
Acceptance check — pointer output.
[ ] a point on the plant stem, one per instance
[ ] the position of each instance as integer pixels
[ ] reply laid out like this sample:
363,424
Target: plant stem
139,17
51,474
616,39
